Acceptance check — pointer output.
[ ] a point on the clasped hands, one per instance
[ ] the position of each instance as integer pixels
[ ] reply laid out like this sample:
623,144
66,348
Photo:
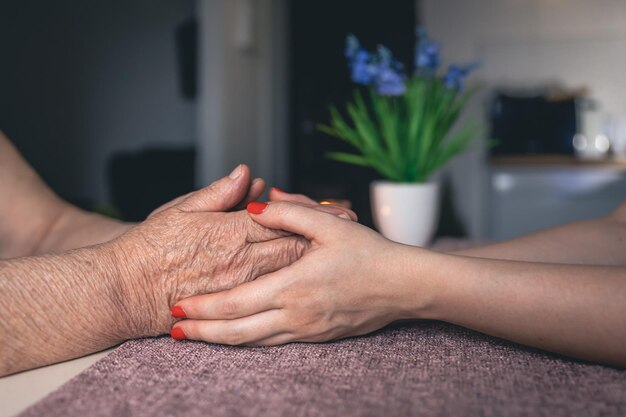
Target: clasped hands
265,276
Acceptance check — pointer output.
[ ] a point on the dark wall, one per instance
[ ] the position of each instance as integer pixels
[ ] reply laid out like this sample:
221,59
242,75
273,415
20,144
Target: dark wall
319,78
82,79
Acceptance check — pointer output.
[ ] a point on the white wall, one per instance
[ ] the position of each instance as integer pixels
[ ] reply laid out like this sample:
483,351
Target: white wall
242,105
81,80
525,43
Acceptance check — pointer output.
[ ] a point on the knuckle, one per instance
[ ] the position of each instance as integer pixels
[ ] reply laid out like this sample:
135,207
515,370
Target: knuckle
282,209
304,198
233,336
297,247
194,330
229,307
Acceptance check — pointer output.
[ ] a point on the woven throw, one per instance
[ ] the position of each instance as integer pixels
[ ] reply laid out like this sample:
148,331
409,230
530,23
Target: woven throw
417,369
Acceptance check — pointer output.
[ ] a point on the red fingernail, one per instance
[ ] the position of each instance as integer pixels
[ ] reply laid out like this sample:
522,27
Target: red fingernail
256,207
278,189
178,312
178,333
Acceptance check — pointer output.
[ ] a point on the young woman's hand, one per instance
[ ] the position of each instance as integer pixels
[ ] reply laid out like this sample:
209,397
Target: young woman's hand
197,245
349,282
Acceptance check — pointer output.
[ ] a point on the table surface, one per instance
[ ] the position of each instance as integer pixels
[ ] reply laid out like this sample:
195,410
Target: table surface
19,391
423,369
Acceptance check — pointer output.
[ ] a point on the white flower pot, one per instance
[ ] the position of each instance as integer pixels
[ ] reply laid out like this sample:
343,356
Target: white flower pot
405,213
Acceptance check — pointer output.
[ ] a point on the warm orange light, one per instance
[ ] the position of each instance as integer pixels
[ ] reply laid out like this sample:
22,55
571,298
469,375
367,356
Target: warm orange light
336,202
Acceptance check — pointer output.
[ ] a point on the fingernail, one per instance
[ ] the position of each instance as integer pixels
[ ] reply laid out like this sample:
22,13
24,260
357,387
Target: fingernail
278,189
178,312
343,216
178,333
256,207
236,173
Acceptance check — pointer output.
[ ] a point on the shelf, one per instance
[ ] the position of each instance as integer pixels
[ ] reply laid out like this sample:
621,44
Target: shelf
549,161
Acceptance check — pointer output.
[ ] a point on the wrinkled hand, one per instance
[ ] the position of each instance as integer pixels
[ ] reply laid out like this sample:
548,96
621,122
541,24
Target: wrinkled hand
346,284
193,246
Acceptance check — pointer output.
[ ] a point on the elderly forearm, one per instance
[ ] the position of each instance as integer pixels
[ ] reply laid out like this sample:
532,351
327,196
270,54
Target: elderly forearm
574,310
58,307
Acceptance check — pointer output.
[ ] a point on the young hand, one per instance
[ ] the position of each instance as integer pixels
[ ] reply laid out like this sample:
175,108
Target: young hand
195,245
349,282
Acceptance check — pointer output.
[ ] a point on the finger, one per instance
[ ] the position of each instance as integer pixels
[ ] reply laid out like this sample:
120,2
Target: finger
277,194
259,233
242,301
257,261
254,193
255,232
335,210
222,195
276,254
278,339
232,332
264,258
309,222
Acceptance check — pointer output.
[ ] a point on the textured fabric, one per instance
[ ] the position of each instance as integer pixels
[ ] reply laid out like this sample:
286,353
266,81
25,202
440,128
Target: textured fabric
419,369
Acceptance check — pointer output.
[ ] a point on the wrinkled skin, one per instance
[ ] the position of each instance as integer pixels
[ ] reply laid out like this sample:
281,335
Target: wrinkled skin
346,284
194,246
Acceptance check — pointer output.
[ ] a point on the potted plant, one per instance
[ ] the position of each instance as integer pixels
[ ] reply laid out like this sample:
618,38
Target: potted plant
403,128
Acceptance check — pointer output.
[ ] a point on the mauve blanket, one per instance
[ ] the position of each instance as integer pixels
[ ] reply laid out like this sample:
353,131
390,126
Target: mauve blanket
418,369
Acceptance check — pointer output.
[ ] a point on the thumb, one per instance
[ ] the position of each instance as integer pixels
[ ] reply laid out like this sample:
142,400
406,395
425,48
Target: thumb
222,195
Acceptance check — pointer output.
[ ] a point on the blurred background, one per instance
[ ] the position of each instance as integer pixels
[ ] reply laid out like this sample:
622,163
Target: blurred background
123,105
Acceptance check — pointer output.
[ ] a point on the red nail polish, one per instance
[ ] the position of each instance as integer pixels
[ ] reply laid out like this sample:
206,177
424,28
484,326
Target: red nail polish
278,189
256,207
178,312
178,333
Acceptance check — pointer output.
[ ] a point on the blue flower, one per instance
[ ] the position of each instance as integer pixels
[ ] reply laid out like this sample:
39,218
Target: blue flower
390,82
426,53
362,70
389,79
380,69
454,78
352,46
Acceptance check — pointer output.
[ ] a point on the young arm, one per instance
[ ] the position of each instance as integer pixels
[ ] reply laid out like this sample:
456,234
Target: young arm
594,242
60,306
352,281
575,310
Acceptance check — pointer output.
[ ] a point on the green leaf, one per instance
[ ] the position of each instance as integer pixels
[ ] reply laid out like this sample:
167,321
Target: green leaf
388,120
349,158
342,128
403,138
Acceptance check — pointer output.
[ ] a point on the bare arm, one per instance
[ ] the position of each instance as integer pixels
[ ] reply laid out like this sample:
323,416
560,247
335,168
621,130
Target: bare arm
353,281
58,307
34,220
595,242
574,310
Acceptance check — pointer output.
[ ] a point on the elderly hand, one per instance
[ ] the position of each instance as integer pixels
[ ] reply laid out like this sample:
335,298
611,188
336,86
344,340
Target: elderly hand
193,246
348,283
